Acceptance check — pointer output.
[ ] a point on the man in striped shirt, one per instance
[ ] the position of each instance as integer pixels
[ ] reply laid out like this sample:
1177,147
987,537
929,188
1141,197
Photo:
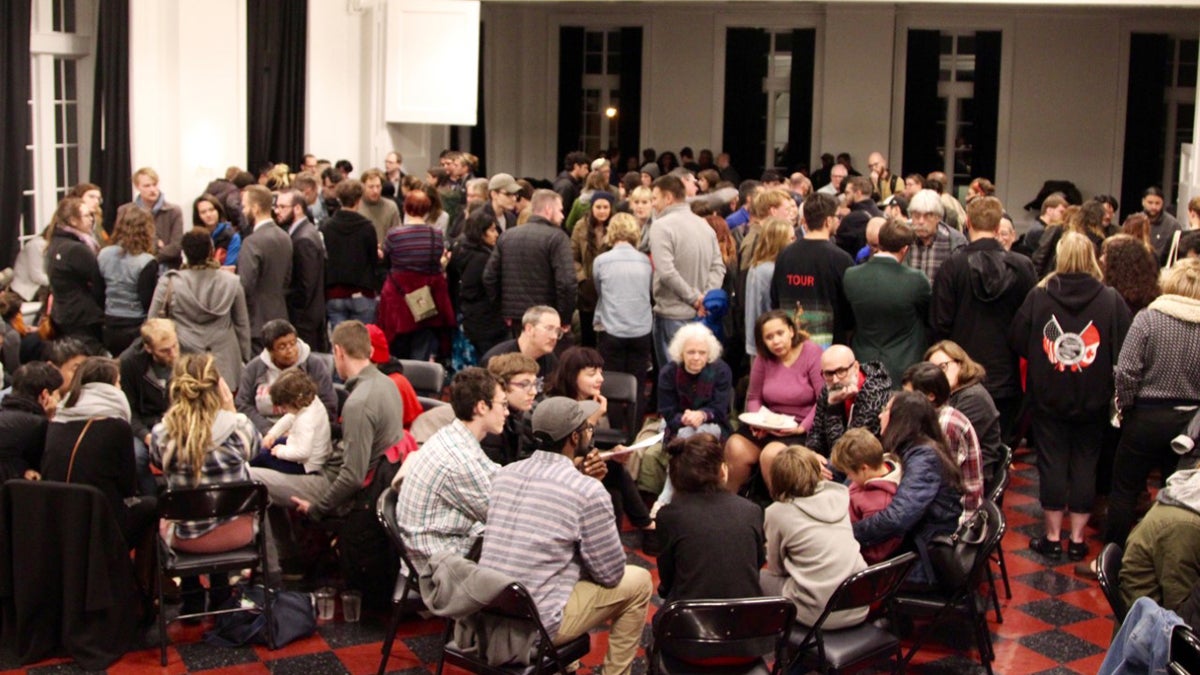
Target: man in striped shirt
552,528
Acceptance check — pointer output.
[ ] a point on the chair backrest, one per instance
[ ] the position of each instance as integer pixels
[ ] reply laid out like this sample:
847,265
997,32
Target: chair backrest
704,629
214,500
1108,573
426,377
992,531
1002,477
871,586
621,390
1185,652
385,512
430,403
327,359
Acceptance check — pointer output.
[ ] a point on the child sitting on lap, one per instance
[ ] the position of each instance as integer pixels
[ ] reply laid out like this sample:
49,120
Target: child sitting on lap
306,426
874,477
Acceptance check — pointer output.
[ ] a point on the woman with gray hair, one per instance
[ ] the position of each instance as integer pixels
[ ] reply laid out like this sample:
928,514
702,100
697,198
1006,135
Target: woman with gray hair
694,391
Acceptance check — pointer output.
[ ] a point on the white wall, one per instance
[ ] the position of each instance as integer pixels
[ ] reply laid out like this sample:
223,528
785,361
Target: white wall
188,93
338,85
856,96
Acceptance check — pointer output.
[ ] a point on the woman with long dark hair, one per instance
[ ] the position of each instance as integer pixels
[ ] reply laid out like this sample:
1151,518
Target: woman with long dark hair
75,278
480,316
588,240
130,275
208,212
928,500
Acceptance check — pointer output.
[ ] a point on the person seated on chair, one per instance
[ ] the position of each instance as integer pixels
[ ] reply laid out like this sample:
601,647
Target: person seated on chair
711,539
541,328
853,396
284,349
304,425
928,501
145,375
1162,554
443,499
928,379
66,354
552,529
874,477
201,440
580,376
785,379
810,547
90,441
25,418
518,374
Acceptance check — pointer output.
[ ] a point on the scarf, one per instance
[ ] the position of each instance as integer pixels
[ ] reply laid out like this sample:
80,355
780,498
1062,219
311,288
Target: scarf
96,399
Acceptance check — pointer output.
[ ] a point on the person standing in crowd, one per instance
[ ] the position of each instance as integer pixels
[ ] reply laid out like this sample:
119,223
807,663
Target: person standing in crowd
624,318
479,316
416,253
76,282
130,275
264,263
352,256
168,218
588,241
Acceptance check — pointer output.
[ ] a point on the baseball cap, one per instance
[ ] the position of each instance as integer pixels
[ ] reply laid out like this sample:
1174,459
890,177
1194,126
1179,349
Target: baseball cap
558,416
503,182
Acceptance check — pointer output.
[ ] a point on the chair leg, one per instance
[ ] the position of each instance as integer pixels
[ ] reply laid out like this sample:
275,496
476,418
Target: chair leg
390,636
268,592
162,621
1003,571
993,593
446,635
982,641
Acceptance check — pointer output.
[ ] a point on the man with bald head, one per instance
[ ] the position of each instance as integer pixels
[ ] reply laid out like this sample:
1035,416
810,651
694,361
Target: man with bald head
873,227
883,182
853,396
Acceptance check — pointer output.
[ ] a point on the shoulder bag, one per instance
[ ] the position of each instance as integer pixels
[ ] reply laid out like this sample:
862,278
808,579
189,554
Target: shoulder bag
420,302
71,462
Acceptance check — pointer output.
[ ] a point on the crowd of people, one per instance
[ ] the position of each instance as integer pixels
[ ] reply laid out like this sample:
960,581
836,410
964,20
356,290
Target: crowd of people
855,353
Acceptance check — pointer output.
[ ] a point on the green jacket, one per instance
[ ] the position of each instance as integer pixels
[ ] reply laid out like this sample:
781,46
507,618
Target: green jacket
891,307
1162,557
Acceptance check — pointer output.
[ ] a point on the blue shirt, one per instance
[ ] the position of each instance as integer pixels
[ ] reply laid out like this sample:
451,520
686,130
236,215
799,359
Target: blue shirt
622,277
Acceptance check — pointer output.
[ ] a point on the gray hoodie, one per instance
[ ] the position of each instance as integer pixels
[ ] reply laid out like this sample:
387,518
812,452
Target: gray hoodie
1182,490
209,310
810,541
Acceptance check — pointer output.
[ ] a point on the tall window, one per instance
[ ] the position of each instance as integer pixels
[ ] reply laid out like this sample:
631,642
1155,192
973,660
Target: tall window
956,113
601,104
778,87
1180,101
58,42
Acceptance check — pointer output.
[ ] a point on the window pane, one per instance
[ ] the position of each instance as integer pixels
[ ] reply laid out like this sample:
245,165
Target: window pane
68,16
614,63
69,70
946,44
966,44
1187,75
614,41
594,42
71,112
60,170
591,125
58,79
592,64
59,123
781,65
29,225
591,101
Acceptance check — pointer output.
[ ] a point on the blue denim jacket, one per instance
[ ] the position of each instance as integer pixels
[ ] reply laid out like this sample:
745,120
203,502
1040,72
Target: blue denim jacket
1143,644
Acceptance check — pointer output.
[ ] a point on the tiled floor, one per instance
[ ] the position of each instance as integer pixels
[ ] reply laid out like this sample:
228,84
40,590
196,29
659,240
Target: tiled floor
1055,623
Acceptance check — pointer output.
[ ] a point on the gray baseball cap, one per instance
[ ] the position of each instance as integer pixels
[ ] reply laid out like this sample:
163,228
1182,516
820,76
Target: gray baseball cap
503,182
558,416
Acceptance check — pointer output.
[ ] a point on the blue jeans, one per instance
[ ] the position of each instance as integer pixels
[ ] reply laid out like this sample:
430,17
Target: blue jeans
664,330
361,309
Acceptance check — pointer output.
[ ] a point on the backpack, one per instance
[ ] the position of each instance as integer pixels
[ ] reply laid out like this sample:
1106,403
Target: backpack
293,617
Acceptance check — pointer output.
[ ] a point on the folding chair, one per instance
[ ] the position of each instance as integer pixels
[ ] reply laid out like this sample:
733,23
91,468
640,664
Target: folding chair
965,599
218,500
407,594
1108,573
621,391
426,377
722,637
1184,657
515,603
836,651
996,496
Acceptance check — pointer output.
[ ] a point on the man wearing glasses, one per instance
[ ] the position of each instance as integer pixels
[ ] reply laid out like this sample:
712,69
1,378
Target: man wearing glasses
541,329
853,396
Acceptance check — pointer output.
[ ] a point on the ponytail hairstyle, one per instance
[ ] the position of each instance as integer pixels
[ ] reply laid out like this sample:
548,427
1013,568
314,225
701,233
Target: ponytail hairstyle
195,401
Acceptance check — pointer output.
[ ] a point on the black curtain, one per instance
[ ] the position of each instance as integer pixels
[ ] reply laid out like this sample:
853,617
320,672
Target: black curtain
1145,114
629,122
921,134
570,89
744,134
987,103
14,106
111,165
276,32
804,49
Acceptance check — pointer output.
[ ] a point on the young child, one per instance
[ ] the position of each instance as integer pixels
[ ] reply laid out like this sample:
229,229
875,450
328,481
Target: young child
305,424
811,547
874,477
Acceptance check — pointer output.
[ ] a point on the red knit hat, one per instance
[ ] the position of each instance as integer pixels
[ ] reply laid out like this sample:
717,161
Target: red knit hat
379,346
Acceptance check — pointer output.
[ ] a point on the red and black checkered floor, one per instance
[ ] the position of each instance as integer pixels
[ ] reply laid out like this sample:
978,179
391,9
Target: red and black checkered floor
1055,623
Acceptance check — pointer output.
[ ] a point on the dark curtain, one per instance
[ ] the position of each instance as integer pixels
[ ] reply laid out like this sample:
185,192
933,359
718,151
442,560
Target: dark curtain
744,134
570,89
276,32
804,49
1145,114
987,103
921,134
629,123
14,106
111,164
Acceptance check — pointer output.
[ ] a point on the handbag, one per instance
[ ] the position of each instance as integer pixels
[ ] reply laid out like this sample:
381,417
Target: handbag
420,302
293,617
45,326
953,555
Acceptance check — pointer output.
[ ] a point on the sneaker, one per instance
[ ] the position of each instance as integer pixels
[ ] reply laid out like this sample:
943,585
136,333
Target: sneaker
1077,550
1051,550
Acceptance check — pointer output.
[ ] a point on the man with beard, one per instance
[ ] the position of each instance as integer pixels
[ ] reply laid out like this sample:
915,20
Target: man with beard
306,293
